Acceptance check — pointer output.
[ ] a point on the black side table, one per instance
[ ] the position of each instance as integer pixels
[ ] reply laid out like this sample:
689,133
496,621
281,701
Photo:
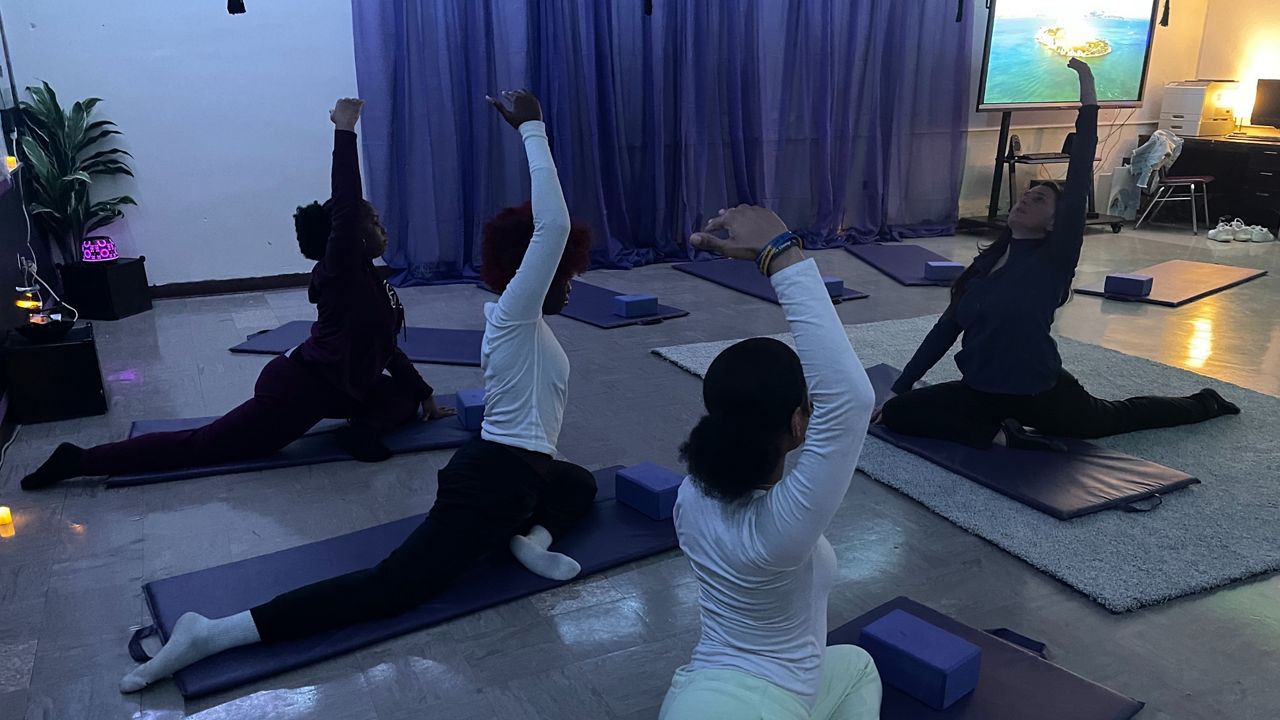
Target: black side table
54,381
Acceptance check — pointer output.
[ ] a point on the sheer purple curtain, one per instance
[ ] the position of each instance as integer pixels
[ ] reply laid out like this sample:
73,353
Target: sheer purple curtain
845,116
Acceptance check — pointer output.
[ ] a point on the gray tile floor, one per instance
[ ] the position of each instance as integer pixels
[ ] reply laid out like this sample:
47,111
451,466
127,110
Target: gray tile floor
604,647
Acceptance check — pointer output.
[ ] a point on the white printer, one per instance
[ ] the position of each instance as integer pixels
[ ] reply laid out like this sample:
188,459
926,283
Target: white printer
1194,108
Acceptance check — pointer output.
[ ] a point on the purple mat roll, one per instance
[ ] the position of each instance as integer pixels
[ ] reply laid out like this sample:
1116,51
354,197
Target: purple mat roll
1013,684
745,277
1086,479
440,346
904,263
611,534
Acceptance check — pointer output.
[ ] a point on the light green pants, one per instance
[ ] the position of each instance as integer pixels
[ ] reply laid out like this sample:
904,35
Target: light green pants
850,691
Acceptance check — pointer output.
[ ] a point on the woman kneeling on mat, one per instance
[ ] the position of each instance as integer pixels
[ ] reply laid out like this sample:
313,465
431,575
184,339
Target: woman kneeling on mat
1003,306
753,537
337,372
502,490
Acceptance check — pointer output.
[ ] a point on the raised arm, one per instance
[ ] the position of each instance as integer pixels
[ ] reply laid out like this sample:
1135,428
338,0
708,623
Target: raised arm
1069,221
345,249
797,510
936,344
523,297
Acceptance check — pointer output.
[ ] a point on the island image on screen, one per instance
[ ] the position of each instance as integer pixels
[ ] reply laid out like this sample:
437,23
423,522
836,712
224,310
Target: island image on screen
1030,41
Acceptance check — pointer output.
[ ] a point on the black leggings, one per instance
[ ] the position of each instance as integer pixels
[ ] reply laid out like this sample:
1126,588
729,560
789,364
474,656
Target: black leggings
954,411
487,494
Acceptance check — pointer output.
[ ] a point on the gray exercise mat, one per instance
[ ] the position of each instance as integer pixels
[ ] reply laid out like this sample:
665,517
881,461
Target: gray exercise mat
1201,538
1178,282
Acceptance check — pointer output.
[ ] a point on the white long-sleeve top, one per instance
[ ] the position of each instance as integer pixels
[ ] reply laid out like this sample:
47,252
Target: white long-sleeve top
763,566
526,372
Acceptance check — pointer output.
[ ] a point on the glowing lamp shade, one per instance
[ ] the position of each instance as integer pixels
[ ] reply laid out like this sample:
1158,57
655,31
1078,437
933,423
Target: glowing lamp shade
6,516
98,249
28,300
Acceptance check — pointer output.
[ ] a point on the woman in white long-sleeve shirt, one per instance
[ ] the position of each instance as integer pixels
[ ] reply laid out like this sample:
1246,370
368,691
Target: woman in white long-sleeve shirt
503,489
753,536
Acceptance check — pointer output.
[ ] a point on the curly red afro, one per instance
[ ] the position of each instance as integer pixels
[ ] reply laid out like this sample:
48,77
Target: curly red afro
506,238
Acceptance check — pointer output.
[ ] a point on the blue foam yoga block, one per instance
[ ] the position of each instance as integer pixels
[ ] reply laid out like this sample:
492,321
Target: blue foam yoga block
470,404
1128,284
835,286
926,662
942,270
630,306
649,488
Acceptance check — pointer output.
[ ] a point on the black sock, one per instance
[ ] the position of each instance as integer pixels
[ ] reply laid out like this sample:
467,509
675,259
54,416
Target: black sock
1017,436
1217,404
63,464
362,443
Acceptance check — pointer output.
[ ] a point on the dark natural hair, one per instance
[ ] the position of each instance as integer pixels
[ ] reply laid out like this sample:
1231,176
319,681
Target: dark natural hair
751,391
312,223
988,254
506,238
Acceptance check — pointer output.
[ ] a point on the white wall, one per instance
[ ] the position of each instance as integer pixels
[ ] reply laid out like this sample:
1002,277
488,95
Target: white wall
226,117
1242,42
1174,56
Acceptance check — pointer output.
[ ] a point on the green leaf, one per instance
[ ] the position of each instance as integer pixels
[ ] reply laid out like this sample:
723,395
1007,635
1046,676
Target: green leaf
78,175
105,154
97,138
98,124
118,200
106,167
38,209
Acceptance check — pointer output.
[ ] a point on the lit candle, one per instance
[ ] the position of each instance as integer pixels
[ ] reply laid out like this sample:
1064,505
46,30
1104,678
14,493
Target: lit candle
11,162
6,517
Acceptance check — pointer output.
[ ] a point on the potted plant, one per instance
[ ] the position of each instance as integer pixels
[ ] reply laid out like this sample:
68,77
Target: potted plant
65,151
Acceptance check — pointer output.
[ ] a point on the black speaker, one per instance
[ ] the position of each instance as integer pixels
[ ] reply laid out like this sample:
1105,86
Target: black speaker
54,381
107,290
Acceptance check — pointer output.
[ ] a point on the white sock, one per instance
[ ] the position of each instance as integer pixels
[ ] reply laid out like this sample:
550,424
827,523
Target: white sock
531,551
195,637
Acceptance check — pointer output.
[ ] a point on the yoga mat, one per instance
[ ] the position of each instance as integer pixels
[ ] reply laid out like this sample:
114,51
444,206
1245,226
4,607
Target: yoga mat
745,277
610,535
1086,479
1178,282
1014,683
904,263
1201,538
317,446
594,305
423,345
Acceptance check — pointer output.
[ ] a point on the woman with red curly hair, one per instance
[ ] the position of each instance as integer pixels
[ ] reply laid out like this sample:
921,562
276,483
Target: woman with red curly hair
503,489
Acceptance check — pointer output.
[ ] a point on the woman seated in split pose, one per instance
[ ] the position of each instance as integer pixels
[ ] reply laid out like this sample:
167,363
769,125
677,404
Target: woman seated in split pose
338,372
502,490
1003,306
753,536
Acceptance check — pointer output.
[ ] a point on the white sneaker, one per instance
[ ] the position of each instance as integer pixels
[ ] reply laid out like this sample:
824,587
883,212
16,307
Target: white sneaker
1241,232
1262,235
1223,233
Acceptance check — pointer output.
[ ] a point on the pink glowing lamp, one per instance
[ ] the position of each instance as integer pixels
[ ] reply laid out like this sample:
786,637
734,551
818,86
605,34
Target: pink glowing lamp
98,248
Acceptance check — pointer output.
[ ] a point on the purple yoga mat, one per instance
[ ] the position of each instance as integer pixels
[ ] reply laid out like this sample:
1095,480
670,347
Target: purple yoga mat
1014,683
594,305
439,346
317,446
1086,479
904,263
610,535
1178,282
743,276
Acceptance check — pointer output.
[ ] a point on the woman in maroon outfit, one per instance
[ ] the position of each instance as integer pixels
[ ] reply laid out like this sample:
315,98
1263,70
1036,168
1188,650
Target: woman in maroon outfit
338,372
